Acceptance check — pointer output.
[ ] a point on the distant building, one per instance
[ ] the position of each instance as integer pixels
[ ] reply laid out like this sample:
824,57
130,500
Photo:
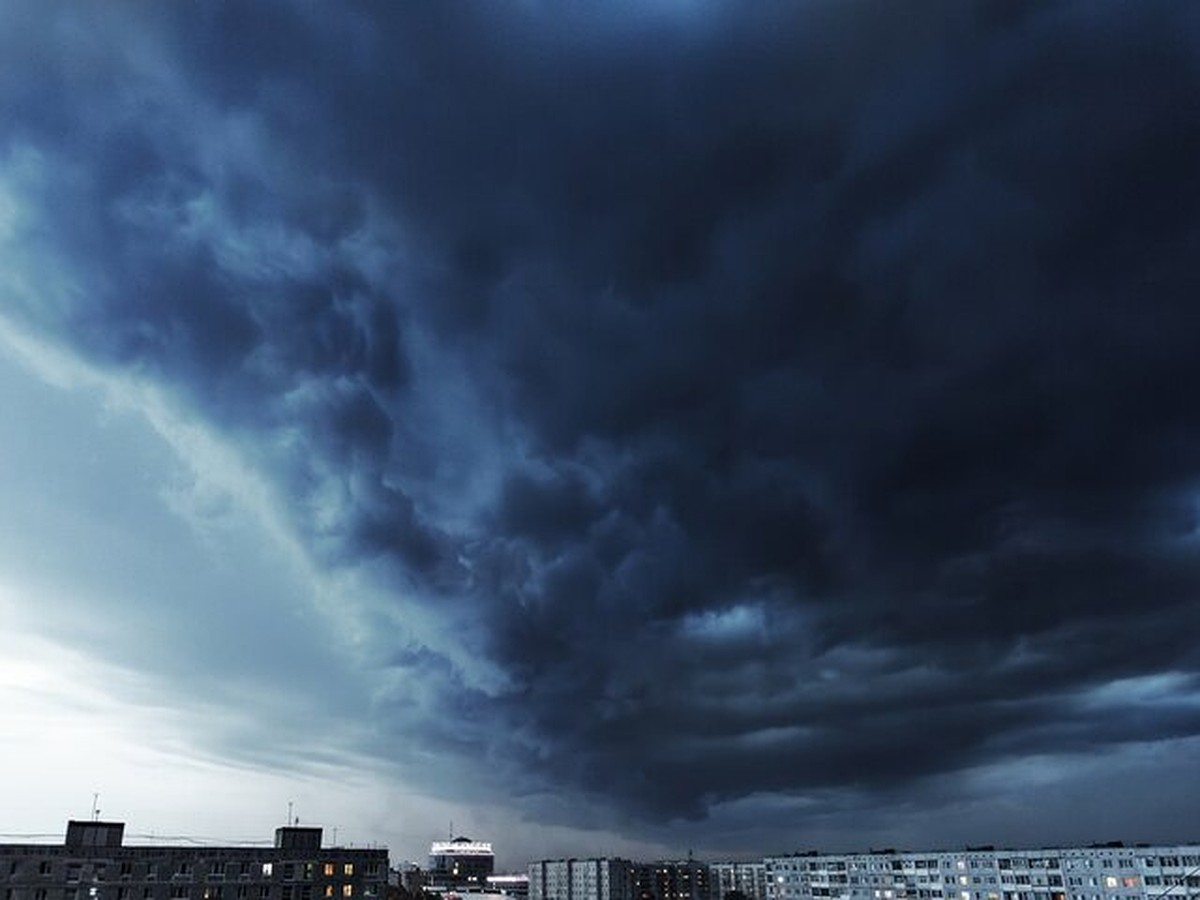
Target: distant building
460,863
93,863
672,880
581,879
408,876
746,878
1108,872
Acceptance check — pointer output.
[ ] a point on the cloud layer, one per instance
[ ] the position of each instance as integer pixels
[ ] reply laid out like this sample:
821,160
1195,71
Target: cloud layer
721,405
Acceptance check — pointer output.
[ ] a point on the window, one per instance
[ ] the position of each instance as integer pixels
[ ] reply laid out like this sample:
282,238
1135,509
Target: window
329,869
348,869
329,890
179,892
347,890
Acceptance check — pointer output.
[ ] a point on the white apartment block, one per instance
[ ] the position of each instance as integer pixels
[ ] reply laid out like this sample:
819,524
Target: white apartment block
1093,873
581,879
749,878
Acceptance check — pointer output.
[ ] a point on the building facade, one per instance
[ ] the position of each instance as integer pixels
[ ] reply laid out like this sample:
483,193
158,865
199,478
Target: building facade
672,880
1110,872
581,879
93,863
746,878
460,863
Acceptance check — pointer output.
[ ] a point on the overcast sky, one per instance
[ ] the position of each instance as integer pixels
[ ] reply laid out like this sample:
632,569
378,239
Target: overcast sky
613,427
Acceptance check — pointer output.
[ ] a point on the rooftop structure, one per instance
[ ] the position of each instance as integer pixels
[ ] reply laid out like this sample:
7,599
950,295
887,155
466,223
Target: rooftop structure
460,863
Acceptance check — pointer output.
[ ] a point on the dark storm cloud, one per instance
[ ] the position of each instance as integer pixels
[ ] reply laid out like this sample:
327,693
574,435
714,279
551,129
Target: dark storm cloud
832,363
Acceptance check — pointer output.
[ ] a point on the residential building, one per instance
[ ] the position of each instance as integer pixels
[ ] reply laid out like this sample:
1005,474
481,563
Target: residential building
581,879
1107,872
746,878
94,863
672,880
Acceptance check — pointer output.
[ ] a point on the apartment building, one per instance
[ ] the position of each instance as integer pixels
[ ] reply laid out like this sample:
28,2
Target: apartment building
581,879
746,878
1110,872
93,863
671,879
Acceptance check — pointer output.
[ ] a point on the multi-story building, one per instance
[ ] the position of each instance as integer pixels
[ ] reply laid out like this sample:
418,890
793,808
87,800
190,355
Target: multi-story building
1108,872
672,880
746,878
581,879
93,863
460,863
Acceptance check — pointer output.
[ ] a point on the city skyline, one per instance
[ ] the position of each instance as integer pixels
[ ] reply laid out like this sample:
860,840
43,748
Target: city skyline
615,428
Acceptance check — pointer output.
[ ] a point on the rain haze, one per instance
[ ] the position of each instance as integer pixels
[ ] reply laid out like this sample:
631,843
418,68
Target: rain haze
612,427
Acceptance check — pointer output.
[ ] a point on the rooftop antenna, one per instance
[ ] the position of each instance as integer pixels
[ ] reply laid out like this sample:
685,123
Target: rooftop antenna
95,806
289,818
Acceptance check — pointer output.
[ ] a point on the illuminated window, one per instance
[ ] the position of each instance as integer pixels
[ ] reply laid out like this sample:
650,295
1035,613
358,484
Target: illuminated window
347,890
329,869
348,869
329,890
1110,881
267,869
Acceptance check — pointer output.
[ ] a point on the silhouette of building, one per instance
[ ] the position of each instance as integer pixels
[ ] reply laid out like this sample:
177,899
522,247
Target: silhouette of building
93,863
